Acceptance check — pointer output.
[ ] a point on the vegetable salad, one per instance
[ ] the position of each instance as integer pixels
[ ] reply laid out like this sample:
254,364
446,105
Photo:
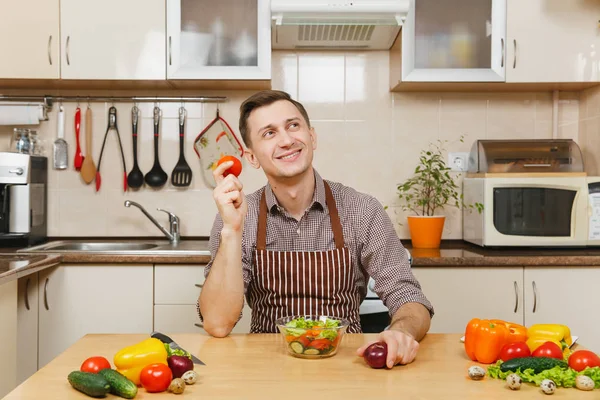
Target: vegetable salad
312,337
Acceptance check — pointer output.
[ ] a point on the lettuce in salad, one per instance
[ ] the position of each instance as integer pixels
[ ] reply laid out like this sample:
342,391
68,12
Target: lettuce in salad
562,377
298,326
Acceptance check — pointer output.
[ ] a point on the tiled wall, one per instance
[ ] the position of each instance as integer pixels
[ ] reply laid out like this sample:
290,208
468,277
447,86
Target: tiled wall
368,138
589,130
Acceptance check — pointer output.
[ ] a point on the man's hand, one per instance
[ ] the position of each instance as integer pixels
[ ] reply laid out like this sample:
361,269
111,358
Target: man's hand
402,348
230,199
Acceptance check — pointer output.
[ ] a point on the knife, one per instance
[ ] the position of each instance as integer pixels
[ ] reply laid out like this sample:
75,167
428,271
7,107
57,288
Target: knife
175,346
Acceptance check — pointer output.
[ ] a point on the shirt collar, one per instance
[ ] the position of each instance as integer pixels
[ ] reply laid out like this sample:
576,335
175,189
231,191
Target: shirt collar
318,196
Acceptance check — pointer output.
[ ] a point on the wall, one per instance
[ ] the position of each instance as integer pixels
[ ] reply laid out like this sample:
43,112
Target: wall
589,121
368,138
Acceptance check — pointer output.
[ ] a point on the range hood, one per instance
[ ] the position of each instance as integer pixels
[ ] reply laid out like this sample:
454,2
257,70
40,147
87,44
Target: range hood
336,24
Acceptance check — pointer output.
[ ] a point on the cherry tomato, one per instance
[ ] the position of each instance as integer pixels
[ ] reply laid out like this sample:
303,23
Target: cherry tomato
235,169
156,377
581,359
94,364
548,349
514,350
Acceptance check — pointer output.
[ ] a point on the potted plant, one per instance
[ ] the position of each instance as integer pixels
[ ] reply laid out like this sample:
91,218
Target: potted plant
427,192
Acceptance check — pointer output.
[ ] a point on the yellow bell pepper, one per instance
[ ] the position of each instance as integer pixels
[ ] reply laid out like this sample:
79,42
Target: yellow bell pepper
539,334
132,359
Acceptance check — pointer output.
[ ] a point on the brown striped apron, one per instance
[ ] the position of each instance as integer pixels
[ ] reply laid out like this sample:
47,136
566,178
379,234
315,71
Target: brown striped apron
302,283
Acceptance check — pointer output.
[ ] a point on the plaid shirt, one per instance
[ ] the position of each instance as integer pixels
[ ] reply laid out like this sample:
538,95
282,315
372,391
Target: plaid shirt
375,249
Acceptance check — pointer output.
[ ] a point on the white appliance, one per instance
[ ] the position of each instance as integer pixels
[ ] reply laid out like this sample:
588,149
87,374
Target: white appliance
534,193
336,24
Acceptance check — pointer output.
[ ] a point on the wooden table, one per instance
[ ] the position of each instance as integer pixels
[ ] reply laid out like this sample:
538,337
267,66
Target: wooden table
258,367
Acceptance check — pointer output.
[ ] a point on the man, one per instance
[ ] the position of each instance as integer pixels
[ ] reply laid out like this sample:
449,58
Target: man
302,245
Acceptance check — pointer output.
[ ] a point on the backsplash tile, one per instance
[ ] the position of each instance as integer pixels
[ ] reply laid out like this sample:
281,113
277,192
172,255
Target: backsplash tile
368,138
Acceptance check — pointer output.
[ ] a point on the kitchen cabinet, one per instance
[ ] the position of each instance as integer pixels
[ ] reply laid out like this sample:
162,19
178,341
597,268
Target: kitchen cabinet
113,39
30,39
79,299
8,336
224,40
27,327
567,295
552,41
459,294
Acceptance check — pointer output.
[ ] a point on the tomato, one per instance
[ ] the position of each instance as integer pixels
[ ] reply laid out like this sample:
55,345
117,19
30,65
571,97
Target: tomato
235,169
156,377
94,364
514,350
548,349
581,359
320,344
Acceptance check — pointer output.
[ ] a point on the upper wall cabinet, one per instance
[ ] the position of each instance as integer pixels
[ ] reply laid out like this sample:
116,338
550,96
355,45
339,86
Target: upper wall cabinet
218,40
111,39
29,39
553,41
454,41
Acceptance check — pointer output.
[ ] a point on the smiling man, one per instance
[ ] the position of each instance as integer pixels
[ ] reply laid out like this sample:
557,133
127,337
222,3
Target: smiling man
302,245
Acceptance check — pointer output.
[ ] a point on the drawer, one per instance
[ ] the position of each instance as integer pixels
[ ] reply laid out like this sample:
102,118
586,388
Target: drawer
177,283
183,319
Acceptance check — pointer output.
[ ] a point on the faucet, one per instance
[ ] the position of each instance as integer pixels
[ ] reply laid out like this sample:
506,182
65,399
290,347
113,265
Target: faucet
173,235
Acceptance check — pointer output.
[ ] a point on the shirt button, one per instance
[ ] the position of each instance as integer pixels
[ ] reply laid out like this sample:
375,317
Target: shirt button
298,231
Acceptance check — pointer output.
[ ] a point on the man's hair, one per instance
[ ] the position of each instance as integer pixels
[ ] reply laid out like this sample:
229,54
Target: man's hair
262,99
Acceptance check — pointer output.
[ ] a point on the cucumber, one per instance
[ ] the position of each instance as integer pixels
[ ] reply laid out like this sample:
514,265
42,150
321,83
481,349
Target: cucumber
119,384
538,364
297,347
311,352
93,385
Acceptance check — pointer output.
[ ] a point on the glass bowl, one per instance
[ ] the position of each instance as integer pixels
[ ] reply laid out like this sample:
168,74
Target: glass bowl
312,336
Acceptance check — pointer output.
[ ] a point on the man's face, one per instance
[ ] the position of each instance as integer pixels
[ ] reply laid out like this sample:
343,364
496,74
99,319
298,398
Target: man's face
280,140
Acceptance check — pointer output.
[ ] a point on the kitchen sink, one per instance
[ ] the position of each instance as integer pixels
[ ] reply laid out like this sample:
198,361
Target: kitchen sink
102,247
121,247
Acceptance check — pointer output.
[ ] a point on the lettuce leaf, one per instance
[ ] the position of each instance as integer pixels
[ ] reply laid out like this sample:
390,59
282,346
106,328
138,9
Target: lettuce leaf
330,334
562,377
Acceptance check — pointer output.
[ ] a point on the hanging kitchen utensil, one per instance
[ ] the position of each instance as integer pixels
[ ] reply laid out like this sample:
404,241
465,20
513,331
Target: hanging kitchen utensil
135,179
156,177
61,156
88,168
182,173
78,162
112,124
214,142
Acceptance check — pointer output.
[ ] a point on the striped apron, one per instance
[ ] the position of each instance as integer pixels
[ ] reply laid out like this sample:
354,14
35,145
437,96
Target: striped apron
302,283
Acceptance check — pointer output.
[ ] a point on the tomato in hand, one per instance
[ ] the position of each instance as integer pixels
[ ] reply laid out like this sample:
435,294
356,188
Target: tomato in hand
156,378
548,349
514,350
235,169
94,364
581,359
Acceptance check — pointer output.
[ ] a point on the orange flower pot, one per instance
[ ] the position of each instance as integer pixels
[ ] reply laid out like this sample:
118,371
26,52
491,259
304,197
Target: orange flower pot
425,231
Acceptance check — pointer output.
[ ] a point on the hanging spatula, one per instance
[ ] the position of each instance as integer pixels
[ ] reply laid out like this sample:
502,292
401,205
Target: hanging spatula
61,156
182,173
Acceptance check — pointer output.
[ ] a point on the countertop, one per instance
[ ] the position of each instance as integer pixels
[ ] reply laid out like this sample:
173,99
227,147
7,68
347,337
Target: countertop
256,366
14,266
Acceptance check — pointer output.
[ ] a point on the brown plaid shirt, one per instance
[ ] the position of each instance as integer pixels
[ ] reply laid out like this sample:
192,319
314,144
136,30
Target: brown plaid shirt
375,249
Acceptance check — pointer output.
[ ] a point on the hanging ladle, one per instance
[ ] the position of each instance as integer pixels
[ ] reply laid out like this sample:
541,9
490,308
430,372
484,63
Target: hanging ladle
156,177
135,179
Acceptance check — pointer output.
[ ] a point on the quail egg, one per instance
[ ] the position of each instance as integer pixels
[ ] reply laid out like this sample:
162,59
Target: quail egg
514,381
548,386
476,373
583,382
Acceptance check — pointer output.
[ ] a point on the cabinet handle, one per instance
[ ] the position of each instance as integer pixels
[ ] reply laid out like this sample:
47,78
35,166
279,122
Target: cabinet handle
534,296
516,297
199,325
502,62
67,50
199,285
46,294
170,51
27,294
50,49
515,58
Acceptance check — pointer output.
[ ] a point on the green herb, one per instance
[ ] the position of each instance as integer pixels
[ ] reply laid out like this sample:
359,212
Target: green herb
176,352
562,377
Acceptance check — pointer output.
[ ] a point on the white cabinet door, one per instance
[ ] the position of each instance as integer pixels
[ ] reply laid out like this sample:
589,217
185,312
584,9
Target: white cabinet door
219,40
441,42
113,39
8,337
459,294
76,300
177,283
565,295
184,319
27,332
553,41
29,47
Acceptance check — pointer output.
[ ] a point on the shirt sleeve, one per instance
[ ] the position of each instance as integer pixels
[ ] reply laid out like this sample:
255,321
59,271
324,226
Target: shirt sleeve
213,244
385,259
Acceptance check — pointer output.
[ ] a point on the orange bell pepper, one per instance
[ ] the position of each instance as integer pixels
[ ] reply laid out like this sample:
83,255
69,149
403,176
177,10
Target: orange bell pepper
484,340
516,332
